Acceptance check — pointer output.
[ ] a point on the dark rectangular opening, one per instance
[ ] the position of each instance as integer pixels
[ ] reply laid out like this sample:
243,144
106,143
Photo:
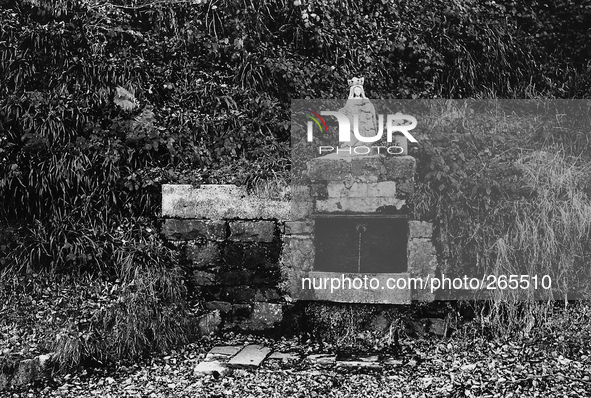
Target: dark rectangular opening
360,244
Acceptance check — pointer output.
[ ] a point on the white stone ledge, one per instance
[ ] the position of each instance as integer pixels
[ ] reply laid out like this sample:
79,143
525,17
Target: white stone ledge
216,202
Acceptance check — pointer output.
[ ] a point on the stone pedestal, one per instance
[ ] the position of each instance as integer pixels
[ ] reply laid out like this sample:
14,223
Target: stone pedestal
362,191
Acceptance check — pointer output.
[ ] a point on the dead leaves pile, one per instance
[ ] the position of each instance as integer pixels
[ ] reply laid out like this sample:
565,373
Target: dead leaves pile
438,368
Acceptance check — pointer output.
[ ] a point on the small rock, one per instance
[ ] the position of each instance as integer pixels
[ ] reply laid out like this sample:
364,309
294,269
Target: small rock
213,368
322,359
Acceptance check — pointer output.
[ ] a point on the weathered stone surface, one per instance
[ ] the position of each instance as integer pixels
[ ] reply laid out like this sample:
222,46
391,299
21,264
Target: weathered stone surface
301,209
222,353
381,295
298,252
218,202
422,259
379,323
437,326
27,371
357,205
209,324
318,190
422,262
406,186
284,357
252,231
203,278
235,277
337,189
222,306
204,255
241,310
194,229
211,368
328,169
238,294
322,359
266,315
367,169
420,229
251,255
299,227
300,192
267,294
250,356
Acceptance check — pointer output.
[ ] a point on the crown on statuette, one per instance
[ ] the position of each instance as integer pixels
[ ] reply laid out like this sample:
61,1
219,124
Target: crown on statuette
356,81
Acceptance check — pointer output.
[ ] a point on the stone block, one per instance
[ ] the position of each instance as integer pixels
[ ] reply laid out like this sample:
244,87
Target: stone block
318,190
367,169
216,202
320,169
300,192
241,310
301,209
235,277
298,252
357,205
406,186
252,231
268,294
203,278
322,359
420,229
238,294
222,353
267,313
299,227
26,372
211,368
205,255
399,167
364,190
251,255
222,306
251,356
265,278
194,229
422,258
209,324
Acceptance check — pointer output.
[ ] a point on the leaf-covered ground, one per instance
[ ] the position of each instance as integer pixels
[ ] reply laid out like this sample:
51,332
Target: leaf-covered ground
455,367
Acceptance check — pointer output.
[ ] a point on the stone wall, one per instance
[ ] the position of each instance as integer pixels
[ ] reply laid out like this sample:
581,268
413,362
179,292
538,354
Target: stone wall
231,243
244,255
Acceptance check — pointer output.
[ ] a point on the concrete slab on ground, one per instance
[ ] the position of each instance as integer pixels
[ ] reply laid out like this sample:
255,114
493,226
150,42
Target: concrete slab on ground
223,353
250,356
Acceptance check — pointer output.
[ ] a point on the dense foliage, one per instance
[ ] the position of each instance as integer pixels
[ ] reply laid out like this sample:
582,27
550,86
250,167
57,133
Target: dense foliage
101,102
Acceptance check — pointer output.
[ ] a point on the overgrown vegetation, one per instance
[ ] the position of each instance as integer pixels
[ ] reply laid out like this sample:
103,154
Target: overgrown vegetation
101,102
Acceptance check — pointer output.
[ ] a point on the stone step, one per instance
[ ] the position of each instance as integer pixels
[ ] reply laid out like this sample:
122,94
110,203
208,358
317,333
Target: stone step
221,359
250,356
